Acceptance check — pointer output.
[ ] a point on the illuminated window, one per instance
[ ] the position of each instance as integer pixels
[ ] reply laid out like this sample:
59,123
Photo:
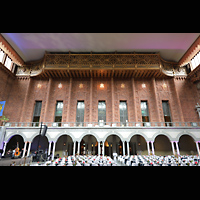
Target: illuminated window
80,113
58,113
1,56
145,111
195,61
8,63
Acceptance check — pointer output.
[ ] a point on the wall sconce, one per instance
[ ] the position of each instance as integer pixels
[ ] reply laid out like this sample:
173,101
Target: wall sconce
60,85
144,85
164,85
122,85
81,85
102,85
39,85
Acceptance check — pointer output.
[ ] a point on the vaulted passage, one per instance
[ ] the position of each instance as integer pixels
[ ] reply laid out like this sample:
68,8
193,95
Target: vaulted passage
187,145
89,145
162,145
138,145
64,146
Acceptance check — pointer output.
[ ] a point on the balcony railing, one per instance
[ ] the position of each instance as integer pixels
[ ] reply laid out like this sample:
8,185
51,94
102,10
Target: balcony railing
102,124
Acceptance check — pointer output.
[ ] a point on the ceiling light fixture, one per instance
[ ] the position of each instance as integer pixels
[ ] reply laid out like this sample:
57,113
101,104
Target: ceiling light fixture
101,85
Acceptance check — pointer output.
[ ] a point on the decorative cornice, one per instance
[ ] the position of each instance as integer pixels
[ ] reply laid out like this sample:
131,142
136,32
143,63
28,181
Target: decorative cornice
190,53
97,61
7,48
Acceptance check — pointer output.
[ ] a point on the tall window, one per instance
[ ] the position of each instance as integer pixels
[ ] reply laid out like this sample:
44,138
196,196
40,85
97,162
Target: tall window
123,112
166,112
195,61
58,113
145,111
1,55
80,113
37,111
102,111
8,63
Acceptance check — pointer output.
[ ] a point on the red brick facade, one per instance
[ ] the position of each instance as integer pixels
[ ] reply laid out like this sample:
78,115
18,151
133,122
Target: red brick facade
20,95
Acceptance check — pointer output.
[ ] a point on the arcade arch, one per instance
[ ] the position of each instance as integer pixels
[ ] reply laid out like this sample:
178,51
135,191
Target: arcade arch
88,145
187,145
64,146
12,144
138,145
43,143
162,145
113,144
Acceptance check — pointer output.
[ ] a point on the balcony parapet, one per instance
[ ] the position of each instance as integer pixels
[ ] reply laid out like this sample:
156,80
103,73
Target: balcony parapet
143,125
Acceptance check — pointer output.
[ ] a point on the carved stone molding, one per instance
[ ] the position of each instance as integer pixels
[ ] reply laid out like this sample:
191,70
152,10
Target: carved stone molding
98,61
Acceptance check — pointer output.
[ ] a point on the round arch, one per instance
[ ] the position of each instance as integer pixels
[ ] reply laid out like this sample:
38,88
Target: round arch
113,133
64,133
186,133
161,133
89,133
187,144
88,145
162,145
138,144
137,133
12,144
9,136
43,143
113,144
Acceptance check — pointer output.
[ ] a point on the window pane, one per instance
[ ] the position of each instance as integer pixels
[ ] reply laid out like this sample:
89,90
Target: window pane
80,112
102,111
123,111
37,110
1,56
144,108
59,108
144,111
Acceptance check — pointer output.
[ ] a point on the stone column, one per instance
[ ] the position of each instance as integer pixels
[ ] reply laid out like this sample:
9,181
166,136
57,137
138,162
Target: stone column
49,151
123,149
172,143
177,148
197,145
99,148
103,148
148,148
24,149
74,148
78,150
153,152
128,150
4,148
53,152
29,148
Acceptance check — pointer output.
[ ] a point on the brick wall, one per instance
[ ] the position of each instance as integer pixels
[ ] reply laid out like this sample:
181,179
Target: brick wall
21,94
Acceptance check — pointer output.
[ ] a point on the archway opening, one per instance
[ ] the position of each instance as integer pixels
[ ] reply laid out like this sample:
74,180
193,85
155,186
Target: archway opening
162,145
138,145
64,146
14,141
187,145
43,144
89,145
113,144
